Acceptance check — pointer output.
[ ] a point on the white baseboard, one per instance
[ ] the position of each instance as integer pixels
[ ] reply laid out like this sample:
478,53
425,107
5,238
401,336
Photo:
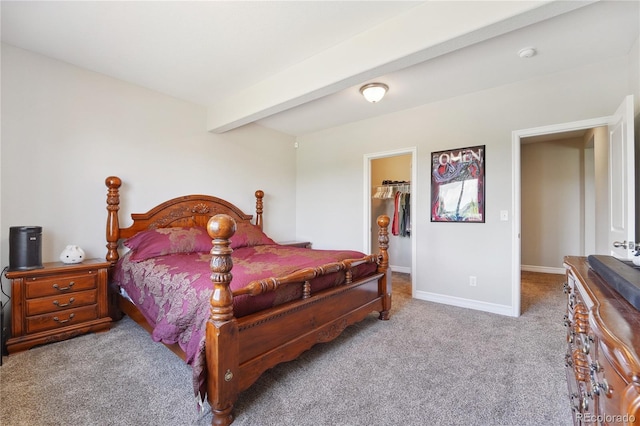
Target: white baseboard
543,269
403,269
466,303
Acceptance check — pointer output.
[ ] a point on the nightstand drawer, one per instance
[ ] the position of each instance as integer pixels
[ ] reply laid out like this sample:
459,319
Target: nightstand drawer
60,302
61,319
55,285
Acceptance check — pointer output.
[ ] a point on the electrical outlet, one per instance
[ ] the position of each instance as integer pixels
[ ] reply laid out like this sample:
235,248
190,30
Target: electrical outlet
472,281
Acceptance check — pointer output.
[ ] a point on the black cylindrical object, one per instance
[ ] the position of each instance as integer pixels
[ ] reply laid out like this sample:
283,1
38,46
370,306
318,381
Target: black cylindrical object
25,247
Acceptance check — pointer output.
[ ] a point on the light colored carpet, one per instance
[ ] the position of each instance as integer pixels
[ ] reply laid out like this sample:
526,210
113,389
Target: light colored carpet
430,364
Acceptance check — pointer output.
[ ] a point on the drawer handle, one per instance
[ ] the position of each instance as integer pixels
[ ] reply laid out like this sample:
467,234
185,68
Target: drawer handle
62,305
57,287
601,386
58,320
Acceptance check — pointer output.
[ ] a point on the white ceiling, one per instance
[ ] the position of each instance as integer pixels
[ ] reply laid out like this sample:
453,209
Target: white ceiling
296,66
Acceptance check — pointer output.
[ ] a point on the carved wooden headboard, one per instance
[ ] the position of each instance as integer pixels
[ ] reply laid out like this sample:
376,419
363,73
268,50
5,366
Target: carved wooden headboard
189,210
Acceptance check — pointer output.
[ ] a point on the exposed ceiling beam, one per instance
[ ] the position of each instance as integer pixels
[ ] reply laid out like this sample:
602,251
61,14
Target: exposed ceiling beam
424,32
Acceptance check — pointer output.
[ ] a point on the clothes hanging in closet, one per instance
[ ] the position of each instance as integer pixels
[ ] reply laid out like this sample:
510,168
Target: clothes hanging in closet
401,224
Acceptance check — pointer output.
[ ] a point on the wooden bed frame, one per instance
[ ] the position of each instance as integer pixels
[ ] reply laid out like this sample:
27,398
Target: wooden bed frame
239,350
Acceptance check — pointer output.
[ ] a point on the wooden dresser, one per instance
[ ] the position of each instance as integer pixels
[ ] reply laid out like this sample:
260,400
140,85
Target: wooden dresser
602,362
57,302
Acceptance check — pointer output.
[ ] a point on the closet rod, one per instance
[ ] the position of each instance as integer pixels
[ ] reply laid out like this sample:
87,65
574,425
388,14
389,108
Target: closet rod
388,190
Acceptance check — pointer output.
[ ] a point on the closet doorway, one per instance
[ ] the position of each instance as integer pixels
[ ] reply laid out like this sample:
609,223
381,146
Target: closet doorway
390,179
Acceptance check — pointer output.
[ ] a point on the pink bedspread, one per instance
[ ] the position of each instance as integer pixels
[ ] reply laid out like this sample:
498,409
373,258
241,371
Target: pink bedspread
173,291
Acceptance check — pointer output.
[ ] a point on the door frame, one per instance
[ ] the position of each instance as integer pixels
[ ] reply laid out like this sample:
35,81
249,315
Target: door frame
516,249
368,226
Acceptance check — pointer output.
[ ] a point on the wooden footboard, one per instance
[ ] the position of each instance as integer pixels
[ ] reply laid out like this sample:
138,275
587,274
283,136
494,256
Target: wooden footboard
240,350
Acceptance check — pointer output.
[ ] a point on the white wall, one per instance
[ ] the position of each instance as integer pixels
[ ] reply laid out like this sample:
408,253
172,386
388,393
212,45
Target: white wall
330,174
65,129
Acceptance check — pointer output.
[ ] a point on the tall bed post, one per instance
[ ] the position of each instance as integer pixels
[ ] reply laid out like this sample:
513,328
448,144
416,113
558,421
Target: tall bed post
384,287
113,224
222,348
259,196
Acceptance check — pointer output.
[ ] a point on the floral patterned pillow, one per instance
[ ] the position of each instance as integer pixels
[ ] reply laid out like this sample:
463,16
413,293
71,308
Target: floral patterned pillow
248,235
162,241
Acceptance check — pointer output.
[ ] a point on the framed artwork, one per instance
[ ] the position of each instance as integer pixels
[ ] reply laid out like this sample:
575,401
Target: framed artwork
457,185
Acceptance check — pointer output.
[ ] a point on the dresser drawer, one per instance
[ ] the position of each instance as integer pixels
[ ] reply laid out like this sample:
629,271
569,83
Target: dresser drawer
55,285
61,319
60,302
609,384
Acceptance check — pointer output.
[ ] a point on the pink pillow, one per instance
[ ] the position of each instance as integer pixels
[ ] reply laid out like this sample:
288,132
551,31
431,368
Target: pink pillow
248,235
162,241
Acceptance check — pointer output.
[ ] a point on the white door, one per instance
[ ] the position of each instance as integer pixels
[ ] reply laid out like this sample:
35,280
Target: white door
622,229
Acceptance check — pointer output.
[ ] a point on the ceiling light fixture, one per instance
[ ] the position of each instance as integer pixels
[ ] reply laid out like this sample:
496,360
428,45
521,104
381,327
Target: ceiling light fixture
374,92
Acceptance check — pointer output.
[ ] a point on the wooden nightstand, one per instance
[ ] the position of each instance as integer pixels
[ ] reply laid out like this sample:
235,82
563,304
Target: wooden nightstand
57,302
303,244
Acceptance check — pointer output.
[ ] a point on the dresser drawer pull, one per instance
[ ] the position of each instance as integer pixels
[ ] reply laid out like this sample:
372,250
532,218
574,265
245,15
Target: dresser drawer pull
603,386
57,287
58,320
62,305
586,343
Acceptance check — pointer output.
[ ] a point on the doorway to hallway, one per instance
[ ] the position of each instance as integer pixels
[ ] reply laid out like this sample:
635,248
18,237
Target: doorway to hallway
620,176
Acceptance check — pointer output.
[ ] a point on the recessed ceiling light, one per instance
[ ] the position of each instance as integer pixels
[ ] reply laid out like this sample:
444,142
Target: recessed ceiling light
527,52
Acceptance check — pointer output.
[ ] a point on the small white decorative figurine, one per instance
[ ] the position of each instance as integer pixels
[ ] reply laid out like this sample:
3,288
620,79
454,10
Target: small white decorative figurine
72,254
